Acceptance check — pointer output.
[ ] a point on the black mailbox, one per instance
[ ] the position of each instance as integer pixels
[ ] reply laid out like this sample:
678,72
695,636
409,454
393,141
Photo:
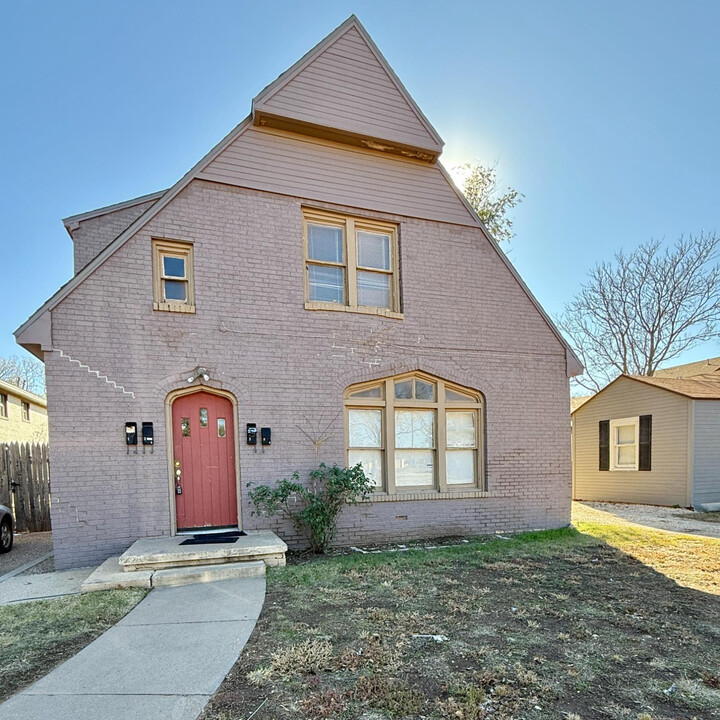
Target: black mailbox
148,434
131,433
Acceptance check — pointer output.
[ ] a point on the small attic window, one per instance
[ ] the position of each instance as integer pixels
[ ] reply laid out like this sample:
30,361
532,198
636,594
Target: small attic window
173,282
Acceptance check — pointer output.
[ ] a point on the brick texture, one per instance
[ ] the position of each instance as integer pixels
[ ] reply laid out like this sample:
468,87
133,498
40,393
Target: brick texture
465,319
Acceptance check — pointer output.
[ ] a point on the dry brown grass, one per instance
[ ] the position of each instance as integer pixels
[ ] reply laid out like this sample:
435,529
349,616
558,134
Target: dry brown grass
561,624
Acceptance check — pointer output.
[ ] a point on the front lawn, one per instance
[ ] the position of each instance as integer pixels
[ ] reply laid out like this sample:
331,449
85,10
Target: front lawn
37,636
558,624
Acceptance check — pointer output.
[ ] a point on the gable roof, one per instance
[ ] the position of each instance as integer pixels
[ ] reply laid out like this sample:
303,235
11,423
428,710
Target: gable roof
698,387
346,83
35,333
71,221
701,367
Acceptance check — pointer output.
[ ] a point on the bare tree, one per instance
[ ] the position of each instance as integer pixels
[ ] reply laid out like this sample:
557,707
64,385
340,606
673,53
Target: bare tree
25,372
480,187
645,308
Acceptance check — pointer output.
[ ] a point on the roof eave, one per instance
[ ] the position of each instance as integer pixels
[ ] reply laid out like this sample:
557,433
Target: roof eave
573,366
129,231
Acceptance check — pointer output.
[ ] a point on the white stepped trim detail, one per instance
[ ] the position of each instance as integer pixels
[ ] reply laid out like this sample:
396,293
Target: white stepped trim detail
95,372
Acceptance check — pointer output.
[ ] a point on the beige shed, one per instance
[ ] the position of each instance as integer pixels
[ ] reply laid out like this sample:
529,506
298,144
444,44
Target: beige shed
653,440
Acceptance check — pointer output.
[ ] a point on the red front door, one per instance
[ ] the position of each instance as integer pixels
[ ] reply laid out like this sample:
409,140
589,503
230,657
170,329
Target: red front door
204,452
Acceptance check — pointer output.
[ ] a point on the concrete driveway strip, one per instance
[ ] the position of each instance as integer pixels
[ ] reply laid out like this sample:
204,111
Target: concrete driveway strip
164,659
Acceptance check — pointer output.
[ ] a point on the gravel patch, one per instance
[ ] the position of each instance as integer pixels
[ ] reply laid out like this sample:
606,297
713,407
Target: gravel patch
26,548
678,520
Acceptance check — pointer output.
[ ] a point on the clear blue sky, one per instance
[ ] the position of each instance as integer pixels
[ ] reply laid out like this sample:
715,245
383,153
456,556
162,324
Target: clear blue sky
605,115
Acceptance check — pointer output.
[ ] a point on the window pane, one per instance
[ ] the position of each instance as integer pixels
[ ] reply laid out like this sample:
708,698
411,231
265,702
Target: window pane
325,243
365,428
373,250
414,428
327,284
373,289
404,389
460,429
625,434
455,396
175,290
374,392
221,427
372,463
626,455
424,390
173,266
185,425
203,417
460,465
414,467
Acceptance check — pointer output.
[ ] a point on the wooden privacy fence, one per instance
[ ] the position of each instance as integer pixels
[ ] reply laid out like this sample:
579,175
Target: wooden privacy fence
25,484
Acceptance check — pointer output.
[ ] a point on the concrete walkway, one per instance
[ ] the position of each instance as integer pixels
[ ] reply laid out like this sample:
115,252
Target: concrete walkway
163,660
23,588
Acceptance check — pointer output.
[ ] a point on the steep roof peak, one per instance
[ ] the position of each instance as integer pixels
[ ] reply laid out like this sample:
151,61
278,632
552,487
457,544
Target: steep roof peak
344,89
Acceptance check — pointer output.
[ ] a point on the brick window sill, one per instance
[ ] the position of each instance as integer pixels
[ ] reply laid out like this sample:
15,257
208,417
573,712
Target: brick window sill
335,307
170,307
429,495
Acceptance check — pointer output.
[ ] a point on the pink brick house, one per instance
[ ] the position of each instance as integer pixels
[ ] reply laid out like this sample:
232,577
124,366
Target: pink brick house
317,277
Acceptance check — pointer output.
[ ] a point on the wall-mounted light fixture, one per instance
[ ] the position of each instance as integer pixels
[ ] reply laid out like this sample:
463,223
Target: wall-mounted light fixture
200,372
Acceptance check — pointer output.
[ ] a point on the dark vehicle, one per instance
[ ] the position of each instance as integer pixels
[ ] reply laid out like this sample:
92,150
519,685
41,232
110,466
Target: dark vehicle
6,529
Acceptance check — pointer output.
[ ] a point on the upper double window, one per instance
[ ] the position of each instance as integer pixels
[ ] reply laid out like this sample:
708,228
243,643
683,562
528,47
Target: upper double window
351,264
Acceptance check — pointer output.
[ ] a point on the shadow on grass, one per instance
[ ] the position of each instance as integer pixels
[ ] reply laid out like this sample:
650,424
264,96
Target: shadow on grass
538,626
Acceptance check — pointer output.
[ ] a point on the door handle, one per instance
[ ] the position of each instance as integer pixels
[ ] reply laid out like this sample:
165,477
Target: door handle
178,475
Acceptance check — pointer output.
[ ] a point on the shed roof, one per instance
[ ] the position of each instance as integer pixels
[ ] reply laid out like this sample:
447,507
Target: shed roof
701,367
697,387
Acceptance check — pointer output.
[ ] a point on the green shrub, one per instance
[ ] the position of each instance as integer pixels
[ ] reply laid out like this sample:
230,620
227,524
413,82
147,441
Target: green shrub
314,509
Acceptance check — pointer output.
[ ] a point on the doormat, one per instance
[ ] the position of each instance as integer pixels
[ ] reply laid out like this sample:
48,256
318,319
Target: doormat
214,539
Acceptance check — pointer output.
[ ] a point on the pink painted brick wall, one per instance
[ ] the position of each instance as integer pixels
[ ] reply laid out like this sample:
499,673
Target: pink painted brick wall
466,319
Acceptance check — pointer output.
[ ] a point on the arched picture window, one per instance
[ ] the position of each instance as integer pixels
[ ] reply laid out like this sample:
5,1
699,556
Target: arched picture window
416,432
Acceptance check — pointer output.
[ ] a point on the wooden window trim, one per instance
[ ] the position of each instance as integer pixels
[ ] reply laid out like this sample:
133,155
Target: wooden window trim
24,405
162,247
351,225
4,406
441,406
621,422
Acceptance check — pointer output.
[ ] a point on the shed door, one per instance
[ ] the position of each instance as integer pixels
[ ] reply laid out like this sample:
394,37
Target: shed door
204,452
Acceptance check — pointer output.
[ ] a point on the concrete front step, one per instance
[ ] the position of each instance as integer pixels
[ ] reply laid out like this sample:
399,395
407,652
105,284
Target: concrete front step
167,552
111,575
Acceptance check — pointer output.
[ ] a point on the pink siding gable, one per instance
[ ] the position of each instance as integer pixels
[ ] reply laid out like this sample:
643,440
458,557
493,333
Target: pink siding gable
301,166
347,87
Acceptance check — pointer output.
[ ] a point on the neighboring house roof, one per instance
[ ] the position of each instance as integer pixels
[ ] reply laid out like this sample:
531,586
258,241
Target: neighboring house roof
698,387
701,367
10,389
576,402
35,333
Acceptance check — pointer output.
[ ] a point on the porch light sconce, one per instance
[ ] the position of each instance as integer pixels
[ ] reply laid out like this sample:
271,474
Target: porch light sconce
201,372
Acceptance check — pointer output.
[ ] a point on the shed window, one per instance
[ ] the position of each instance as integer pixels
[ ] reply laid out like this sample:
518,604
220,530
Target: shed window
415,432
173,283
25,409
3,405
351,264
624,443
